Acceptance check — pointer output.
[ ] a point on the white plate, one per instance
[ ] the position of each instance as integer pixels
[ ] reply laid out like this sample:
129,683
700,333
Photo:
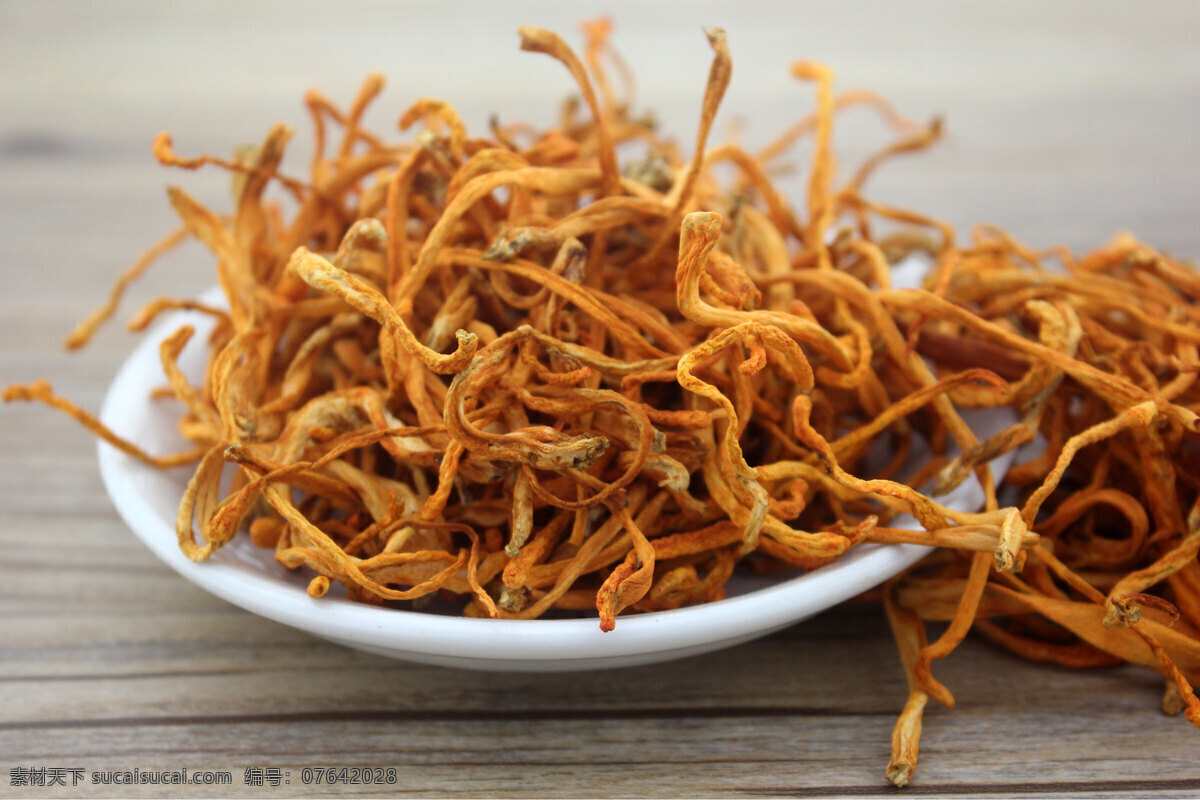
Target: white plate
249,577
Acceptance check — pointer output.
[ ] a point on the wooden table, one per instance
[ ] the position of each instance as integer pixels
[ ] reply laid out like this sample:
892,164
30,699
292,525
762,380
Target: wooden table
1066,123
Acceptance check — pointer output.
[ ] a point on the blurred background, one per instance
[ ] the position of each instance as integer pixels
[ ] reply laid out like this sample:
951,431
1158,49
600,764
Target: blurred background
1065,121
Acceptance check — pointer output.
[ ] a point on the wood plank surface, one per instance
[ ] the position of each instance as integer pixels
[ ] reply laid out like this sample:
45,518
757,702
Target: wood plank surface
1067,122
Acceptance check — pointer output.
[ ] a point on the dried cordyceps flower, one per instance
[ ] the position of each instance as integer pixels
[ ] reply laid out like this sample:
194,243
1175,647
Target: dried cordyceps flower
511,371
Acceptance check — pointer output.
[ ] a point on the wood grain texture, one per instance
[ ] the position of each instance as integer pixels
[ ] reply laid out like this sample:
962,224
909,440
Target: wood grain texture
1067,123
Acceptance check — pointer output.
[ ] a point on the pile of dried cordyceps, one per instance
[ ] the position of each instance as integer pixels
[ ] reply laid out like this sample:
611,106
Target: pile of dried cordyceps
652,377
